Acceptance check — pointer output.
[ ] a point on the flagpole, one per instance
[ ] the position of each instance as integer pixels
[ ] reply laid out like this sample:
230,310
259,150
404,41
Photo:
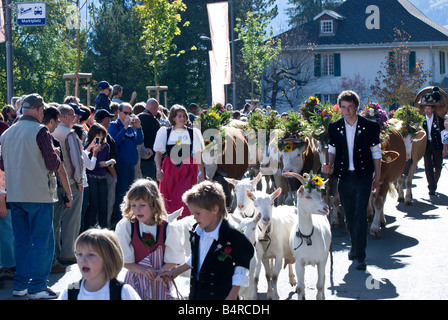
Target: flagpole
232,57
9,73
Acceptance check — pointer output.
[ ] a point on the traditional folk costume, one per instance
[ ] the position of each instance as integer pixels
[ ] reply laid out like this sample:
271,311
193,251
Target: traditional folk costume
219,259
180,171
164,248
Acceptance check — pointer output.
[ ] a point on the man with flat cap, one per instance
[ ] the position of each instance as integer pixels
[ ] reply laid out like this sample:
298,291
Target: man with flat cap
30,164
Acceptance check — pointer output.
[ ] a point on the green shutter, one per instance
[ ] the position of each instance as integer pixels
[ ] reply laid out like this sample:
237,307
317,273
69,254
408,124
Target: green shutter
442,62
337,64
412,61
317,65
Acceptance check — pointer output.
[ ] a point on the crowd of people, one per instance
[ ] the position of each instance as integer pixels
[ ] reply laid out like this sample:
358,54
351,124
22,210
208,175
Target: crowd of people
94,185
69,173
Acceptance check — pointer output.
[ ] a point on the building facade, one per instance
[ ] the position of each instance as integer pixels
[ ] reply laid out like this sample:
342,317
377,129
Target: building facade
350,44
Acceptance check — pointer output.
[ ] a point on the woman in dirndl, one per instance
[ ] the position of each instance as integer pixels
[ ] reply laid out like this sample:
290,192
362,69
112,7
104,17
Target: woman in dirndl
179,170
150,245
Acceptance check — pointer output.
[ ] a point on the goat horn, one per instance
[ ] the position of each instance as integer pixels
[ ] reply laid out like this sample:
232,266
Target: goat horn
296,175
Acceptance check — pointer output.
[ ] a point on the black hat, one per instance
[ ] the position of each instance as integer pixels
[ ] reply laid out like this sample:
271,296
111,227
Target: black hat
101,114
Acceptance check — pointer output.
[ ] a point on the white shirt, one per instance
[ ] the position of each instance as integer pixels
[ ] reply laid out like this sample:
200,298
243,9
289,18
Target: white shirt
350,132
127,293
429,125
88,164
178,135
240,275
174,252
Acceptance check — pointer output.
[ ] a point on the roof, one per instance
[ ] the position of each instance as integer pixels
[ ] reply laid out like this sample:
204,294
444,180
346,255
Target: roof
331,13
352,29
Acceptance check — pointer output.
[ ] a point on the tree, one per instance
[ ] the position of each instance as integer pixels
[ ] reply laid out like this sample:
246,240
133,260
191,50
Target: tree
258,50
160,19
305,10
42,55
401,74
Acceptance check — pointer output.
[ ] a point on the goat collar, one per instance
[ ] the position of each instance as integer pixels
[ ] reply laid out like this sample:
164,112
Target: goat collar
302,236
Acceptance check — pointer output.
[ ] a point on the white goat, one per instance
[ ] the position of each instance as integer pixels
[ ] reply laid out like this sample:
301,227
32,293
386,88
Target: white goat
272,238
310,238
244,206
248,227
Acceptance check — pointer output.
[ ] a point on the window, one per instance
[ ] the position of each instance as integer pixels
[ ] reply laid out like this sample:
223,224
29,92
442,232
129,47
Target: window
326,26
326,64
442,62
331,98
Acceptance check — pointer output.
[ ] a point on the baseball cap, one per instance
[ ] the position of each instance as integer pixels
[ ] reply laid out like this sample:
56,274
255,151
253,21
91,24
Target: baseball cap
77,109
103,85
33,101
102,114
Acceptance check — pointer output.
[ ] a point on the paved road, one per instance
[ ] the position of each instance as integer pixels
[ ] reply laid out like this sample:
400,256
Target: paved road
408,261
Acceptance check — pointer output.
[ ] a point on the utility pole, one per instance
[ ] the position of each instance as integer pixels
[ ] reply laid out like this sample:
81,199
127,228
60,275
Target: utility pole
9,73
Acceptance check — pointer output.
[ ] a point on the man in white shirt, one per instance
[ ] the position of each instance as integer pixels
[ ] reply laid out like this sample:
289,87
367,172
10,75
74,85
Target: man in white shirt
354,156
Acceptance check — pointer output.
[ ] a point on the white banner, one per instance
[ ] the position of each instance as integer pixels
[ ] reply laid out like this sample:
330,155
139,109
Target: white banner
218,93
2,24
218,17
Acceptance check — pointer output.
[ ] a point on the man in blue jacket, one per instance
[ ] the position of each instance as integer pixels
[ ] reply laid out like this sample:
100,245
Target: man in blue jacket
128,134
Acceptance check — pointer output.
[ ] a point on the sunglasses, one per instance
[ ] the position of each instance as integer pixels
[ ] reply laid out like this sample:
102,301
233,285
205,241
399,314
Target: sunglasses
126,112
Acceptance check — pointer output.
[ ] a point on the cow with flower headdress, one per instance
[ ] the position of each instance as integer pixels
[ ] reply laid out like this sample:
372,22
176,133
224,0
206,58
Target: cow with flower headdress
298,150
408,121
226,148
392,163
319,120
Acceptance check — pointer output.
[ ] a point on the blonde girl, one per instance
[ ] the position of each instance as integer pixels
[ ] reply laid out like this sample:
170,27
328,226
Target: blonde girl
100,259
150,245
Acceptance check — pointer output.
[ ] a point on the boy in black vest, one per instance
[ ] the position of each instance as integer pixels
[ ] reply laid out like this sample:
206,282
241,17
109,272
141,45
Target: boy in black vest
220,254
354,155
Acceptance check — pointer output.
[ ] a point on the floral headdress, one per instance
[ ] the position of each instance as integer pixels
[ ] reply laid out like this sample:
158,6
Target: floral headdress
310,105
258,120
293,130
373,111
216,117
412,119
314,181
321,118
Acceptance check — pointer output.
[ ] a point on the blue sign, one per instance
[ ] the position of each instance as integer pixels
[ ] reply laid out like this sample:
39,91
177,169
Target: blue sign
31,13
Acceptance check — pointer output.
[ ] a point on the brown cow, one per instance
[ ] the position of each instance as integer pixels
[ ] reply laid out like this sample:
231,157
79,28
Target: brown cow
226,158
392,166
415,144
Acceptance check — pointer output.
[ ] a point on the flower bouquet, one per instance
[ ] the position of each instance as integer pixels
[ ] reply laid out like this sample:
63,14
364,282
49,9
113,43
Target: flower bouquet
373,111
258,120
411,119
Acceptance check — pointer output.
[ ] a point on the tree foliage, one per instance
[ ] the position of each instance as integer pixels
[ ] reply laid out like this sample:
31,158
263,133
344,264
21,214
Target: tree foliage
42,55
160,19
399,79
258,50
304,11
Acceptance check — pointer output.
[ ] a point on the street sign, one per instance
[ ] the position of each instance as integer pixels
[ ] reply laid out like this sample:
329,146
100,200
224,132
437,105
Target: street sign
31,14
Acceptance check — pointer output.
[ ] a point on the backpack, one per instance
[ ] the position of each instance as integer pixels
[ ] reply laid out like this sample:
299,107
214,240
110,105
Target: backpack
115,287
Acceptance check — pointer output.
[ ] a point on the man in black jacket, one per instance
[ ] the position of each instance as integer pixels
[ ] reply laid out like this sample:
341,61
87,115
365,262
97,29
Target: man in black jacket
354,156
150,126
433,158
